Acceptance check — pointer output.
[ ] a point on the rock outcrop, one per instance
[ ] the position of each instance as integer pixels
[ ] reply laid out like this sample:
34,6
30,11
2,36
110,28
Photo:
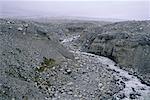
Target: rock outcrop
127,43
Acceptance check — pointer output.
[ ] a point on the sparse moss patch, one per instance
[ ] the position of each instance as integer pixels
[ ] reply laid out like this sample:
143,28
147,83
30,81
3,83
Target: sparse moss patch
47,63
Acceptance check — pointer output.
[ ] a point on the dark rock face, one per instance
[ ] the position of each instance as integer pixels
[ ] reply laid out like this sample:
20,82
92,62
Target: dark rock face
127,43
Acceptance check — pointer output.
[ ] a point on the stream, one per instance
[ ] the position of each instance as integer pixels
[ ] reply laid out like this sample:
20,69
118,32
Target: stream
134,89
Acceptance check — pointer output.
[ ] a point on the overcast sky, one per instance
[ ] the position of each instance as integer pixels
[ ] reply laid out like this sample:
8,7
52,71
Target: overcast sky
126,9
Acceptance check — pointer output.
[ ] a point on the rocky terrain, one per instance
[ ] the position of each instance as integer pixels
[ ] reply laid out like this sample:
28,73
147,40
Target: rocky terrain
49,61
127,43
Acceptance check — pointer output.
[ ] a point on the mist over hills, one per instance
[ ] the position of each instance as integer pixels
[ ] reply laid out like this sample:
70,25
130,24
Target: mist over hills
104,10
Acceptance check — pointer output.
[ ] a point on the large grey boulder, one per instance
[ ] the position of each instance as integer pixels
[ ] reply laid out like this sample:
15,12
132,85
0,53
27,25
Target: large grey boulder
127,43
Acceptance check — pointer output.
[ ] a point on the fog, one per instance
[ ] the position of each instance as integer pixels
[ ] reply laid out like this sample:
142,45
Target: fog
128,10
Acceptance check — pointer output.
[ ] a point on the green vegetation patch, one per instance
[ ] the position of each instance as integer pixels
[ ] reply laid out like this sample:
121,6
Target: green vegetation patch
47,63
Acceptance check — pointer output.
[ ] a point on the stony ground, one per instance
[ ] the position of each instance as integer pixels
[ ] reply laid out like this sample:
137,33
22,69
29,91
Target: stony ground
127,43
131,87
85,77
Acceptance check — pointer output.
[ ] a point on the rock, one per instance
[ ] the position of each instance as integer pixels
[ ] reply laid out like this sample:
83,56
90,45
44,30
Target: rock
141,28
121,96
125,79
75,95
80,96
123,84
133,96
70,92
68,71
10,27
8,22
127,43
26,25
70,83
100,85
24,33
77,58
19,28
13,99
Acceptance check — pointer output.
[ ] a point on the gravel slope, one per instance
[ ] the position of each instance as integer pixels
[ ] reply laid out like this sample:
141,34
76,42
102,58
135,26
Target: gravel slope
132,86
35,66
127,43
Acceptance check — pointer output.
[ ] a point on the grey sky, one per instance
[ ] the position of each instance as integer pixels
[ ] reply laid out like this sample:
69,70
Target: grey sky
138,10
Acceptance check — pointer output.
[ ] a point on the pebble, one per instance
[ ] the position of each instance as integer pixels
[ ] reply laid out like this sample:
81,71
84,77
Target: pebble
74,77
141,28
75,95
26,25
24,33
133,96
123,84
81,65
68,71
61,69
142,88
54,68
70,92
55,94
13,99
76,58
8,22
121,96
10,27
125,79
20,28
100,85
54,98
80,96
70,83
36,34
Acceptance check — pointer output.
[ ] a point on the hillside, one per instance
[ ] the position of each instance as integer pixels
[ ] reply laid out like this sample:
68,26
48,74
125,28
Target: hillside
127,43
53,61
